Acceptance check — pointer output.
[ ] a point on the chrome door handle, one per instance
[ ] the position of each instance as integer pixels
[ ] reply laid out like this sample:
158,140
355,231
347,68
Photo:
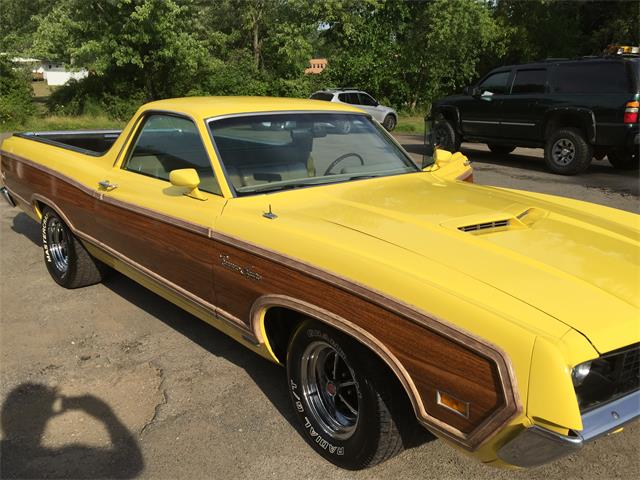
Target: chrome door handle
107,185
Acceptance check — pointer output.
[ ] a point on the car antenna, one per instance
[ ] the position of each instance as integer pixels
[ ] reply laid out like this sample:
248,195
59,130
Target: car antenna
270,215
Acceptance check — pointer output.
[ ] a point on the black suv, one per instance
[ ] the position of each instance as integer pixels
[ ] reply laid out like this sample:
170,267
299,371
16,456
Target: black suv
575,109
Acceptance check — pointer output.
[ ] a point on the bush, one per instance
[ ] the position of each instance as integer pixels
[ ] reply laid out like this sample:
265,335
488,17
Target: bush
89,97
16,102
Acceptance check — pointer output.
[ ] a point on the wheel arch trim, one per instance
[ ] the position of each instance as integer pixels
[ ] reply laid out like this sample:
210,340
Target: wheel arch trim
265,302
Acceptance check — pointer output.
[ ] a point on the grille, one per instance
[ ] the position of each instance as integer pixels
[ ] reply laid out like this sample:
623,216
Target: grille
484,226
613,375
628,369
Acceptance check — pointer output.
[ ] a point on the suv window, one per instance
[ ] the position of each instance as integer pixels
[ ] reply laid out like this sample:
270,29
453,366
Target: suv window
529,81
351,98
495,83
166,143
326,96
597,77
366,99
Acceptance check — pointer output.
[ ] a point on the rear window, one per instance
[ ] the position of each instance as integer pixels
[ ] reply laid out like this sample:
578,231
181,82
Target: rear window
529,81
602,77
327,97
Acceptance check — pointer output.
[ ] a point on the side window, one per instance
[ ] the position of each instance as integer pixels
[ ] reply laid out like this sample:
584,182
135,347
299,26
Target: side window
529,81
322,96
495,83
366,99
596,77
351,98
166,143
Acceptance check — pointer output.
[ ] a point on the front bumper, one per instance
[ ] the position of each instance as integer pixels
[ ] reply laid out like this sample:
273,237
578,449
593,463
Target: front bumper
536,446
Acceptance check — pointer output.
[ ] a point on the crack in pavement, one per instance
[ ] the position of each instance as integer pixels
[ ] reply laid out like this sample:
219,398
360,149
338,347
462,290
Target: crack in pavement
160,404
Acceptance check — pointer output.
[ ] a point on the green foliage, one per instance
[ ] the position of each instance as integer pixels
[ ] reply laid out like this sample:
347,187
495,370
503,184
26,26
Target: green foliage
16,103
405,53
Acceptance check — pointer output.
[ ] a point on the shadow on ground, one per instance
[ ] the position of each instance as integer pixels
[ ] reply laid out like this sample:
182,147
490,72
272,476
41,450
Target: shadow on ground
24,416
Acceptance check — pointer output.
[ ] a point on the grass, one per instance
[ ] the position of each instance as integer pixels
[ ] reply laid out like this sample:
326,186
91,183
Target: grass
410,124
63,122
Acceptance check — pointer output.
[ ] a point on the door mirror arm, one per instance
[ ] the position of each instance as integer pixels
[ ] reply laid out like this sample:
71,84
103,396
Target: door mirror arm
187,177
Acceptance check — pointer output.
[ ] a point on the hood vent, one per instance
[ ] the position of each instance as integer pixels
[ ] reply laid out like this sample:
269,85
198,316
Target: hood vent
484,226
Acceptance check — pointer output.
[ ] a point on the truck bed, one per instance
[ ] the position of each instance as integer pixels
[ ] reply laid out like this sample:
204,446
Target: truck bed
90,142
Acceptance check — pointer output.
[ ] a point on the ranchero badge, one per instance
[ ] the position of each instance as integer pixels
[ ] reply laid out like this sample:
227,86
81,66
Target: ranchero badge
246,272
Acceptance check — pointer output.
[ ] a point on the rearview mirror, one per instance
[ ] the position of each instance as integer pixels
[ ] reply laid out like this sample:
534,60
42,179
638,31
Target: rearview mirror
187,177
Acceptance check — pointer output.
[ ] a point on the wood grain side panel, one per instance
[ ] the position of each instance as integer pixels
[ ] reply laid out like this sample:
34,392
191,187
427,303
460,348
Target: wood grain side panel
181,256
29,180
433,361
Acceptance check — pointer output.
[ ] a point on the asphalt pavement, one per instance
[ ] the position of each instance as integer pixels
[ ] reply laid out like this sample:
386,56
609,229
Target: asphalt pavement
114,381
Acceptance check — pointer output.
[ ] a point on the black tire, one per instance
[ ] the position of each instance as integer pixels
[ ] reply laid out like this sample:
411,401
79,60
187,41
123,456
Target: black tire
445,136
374,436
67,261
624,159
501,149
567,152
390,123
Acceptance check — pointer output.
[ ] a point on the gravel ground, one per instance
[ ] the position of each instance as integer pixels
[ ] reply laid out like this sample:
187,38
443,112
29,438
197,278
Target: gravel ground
113,381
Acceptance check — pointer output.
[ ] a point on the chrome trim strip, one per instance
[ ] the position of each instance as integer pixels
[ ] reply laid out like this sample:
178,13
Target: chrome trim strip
487,122
519,124
280,112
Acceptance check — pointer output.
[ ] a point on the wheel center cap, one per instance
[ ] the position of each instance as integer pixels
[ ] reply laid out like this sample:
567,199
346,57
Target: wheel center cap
331,389
565,151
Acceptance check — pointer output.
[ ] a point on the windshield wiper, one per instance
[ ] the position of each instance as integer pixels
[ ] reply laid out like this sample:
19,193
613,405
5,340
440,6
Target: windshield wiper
272,187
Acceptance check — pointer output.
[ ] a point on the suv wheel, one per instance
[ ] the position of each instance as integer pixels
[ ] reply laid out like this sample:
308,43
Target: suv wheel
446,136
389,122
624,160
501,149
567,152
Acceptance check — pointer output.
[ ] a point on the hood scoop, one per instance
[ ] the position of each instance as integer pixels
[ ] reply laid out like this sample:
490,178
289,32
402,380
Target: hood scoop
497,222
485,226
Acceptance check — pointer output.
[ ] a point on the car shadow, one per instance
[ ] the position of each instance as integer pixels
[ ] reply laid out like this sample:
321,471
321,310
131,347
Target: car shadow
270,378
25,225
24,416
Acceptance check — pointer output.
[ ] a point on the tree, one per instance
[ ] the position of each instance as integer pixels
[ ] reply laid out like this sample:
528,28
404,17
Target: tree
16,103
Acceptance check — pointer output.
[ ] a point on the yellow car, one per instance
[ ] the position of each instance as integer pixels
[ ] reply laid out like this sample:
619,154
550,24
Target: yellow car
505,322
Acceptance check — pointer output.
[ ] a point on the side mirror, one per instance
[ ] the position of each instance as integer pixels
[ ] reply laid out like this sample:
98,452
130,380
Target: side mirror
472,90
187,177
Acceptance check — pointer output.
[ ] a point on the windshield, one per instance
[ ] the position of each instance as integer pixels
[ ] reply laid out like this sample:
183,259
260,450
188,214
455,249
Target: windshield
262,153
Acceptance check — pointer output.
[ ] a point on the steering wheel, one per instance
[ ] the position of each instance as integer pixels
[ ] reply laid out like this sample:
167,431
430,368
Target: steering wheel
341,158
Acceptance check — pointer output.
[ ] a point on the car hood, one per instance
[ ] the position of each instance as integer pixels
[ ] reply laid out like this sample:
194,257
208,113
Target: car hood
566,258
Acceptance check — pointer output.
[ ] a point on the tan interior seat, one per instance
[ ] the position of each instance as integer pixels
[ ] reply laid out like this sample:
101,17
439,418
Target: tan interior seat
147,165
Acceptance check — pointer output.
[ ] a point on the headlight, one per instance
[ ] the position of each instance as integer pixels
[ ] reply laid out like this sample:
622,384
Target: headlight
580,372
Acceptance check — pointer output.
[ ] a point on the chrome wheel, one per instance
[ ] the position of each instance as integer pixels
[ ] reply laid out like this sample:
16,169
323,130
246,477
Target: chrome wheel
563,151
330,389
58,244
